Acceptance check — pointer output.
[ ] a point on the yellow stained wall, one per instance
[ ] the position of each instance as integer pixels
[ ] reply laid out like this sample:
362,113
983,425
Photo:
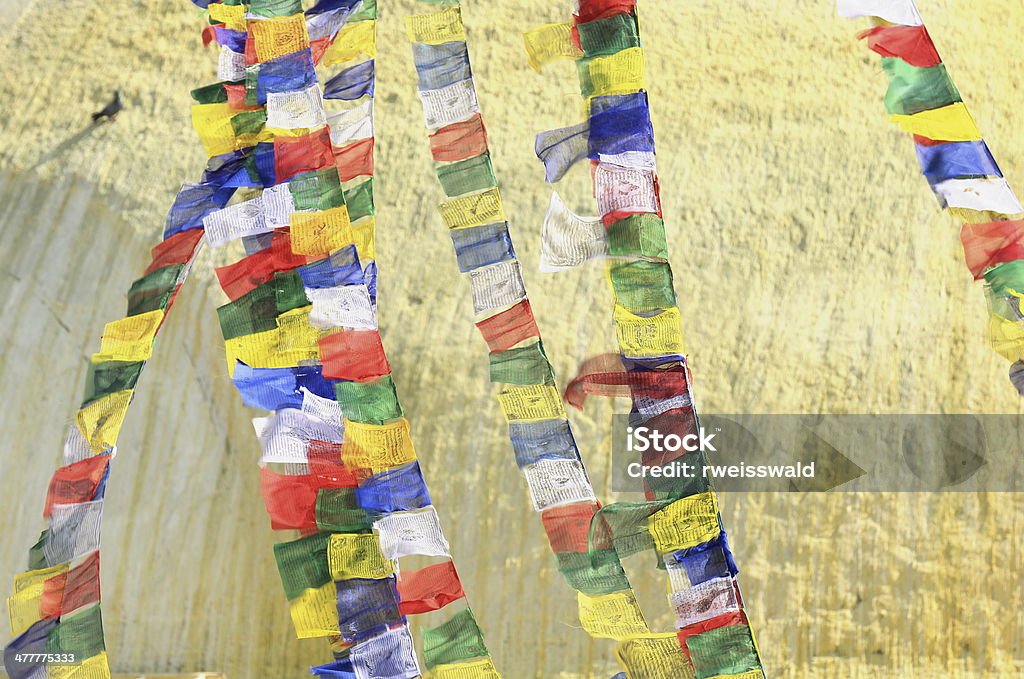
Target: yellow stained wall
815,272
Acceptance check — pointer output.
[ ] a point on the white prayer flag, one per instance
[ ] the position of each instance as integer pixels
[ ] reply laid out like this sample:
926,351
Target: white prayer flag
903,12
495,286
235,221
343,306
557,482
451,104
979,194
294,110
407,533
568,240
351,124
624,188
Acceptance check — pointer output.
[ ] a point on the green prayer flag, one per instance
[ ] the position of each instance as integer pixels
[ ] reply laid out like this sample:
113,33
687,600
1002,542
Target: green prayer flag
303,564
608,36
210,94
369,402
623,526
913,89
669,488
597,572
467,176
360,200
253,312
638,235
248,122
80,634
522,365
1006,278
724,650
107,377
364,13
252,74
643,285
36,556
317,190
458,639
289,292
275,8
338,512
153,291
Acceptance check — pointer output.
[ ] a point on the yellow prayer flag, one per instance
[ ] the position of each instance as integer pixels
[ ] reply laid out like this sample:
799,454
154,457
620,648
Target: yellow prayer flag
100,421
357,555
611,616
436,28
94,667
476,669
353,41
279,36
23,608
320,233
531,402
212,123
377,446
232,16
685,523
549,43
315,612
619,73
294,342
364,235
654,656
646,337
1007,337
129,339
949,123
475,209
749,674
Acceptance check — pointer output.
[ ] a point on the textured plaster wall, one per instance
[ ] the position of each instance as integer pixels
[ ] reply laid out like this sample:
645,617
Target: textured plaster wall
814,270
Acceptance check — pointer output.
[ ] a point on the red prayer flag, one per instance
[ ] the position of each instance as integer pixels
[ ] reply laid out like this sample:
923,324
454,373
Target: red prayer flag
178,249
724,620
76,482
258,268
73,589
355,159
318,47
290,500
986,245
459,141
326,465
507,329
912,44
428,589
592,10
568,527
355,355
295,155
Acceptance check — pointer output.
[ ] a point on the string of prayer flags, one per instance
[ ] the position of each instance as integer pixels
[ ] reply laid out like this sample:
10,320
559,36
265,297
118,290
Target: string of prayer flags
301,341
954,159
679,519
541,438
55,606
